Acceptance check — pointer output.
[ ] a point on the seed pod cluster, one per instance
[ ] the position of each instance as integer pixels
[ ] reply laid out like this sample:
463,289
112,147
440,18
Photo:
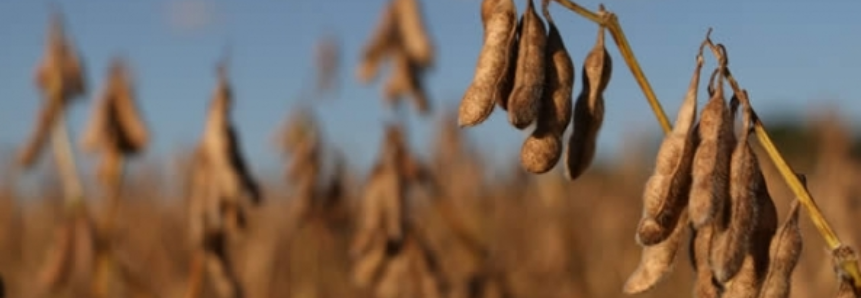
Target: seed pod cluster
588,109
223,180
664,216
524,68
222,188
400,37
385,248
116,128
736,249
543,148
60,78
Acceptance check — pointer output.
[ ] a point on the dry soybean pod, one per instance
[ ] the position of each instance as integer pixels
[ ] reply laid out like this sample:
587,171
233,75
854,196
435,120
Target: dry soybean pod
737,221
500,28
748,281
506,83
705,285
666,192
588,110
711,165
846,288
405,80
656,261
133,131
379,45
543,148
525,98
413,32
784,251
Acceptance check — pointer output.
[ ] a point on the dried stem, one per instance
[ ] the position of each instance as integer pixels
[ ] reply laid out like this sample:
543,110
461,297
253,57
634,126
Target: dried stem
73,191
609,20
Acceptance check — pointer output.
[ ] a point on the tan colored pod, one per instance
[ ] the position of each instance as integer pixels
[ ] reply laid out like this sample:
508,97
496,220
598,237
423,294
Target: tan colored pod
748,281
543,148
784,252
507,83
60,78
48,116
492,69
737,221
61,68
222,152
666,192
705,285
413,33
846,287
381,43
711,166
588,110
656,261
525,98
115,123
405,81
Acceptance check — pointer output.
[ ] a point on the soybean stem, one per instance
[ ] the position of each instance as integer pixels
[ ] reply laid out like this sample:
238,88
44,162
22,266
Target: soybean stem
611,22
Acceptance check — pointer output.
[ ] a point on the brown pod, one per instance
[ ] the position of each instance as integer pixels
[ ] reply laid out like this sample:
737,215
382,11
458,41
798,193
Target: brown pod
413,33
525,98
705,285
222,151
846,290
49,115
61,68
543,148
588,110
736,222
656,261
381,43
748,281
846,287
115,123
711,166
492,69
507,83
784,251
60,78
666,192
405,80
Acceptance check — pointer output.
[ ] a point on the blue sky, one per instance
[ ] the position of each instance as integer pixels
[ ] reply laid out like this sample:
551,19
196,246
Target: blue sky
791,55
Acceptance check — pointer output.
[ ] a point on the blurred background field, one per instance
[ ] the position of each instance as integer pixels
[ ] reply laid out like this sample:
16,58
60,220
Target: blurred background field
549,237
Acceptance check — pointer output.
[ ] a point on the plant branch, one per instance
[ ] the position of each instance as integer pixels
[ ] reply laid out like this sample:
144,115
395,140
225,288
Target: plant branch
609,20
72,189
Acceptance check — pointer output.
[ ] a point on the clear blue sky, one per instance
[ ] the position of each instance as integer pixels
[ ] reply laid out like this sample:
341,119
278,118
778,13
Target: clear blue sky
791,55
